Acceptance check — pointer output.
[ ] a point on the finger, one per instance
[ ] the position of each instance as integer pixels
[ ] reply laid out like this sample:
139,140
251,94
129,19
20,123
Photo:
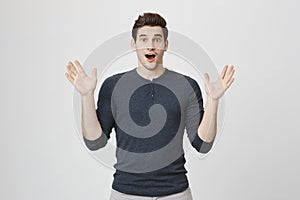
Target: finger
69,78
73,75
224,71
206,77
230,75
228,71
71,67
77,63
71,72
94,73
229,83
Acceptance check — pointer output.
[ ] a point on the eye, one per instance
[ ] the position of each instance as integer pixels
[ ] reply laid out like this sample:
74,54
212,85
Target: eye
144,39
157,39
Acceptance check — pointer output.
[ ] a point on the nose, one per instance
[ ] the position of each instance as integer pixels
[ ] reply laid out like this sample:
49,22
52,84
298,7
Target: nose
150,45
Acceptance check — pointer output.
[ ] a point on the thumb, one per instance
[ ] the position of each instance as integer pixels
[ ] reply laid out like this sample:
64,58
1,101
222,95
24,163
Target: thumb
206,77
94,72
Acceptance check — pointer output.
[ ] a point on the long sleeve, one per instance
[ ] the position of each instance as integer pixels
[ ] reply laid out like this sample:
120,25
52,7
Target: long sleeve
104,115
194,115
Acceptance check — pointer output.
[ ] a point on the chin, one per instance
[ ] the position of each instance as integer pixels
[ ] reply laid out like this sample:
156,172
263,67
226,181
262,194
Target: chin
151,66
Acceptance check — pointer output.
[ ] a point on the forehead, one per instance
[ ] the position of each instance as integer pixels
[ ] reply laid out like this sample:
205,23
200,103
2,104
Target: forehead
150,30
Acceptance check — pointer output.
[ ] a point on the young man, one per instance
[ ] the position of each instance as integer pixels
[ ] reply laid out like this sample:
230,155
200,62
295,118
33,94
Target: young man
149,107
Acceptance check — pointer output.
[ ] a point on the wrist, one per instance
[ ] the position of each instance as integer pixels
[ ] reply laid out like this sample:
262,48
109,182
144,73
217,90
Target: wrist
212,99
88,94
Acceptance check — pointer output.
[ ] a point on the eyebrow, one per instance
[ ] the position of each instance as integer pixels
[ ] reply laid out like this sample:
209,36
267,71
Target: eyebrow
142,35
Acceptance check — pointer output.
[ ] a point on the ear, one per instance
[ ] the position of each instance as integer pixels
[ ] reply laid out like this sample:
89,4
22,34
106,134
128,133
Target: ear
133,46
166,45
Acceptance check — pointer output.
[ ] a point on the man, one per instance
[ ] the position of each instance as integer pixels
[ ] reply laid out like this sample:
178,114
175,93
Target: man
149,107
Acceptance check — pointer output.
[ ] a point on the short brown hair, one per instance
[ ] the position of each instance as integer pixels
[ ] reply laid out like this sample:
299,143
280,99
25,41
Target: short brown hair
149,19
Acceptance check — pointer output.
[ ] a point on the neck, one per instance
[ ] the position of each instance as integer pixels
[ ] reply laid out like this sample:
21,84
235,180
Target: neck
150,74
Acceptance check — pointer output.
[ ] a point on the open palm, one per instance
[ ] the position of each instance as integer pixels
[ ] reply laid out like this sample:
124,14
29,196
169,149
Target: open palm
217,89
79,79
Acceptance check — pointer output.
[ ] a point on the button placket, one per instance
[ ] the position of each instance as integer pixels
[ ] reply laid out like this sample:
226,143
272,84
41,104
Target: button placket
152,91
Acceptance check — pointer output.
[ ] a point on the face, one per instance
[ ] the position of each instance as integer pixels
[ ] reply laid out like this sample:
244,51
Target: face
150,46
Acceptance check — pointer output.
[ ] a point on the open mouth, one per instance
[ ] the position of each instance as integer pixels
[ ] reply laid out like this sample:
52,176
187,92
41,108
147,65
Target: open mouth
150,57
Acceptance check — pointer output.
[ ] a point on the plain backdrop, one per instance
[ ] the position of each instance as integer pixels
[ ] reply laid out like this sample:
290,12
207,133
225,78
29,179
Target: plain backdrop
257,155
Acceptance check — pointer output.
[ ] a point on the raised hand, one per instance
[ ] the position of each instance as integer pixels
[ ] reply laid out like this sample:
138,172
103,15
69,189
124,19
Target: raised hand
80,80
216,89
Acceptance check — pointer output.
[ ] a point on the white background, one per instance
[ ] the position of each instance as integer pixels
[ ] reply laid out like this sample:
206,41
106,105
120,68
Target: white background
257,156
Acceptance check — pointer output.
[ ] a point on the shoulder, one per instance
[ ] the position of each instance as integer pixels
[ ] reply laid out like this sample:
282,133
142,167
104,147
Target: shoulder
111,80
193,83
109,83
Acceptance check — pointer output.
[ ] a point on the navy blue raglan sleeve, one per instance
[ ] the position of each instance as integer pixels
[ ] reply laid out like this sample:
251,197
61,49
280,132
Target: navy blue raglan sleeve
194,115
104,115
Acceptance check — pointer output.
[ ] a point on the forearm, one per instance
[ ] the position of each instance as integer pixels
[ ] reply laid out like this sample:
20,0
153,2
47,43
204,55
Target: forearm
208,127
91,127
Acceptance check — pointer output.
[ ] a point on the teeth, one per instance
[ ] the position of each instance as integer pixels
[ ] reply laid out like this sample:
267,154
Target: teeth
150,56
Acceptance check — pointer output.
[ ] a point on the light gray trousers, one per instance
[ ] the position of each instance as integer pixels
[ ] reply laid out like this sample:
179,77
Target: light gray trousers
185,195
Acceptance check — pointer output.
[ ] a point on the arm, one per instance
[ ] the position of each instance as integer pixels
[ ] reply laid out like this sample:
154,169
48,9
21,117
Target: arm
91,127
85,85
208,127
